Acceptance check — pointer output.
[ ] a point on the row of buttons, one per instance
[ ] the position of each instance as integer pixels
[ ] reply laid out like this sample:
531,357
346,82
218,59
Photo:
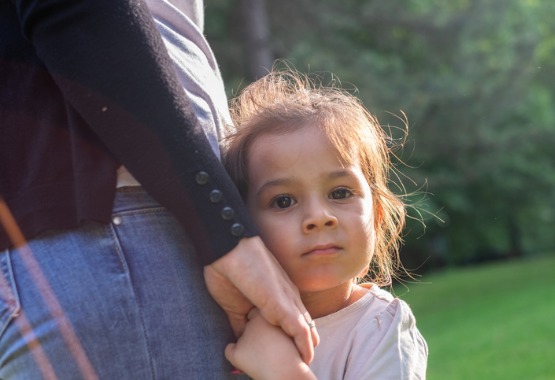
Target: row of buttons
216,196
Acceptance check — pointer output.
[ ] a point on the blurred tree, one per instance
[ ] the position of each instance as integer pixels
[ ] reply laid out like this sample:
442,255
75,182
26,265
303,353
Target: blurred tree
256,37
477,82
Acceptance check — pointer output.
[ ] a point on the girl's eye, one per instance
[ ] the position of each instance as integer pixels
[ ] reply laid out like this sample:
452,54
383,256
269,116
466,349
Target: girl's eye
283,201
341,193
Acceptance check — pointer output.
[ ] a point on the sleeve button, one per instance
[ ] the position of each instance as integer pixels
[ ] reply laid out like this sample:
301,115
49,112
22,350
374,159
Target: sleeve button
237,229
216,196
227,213
202,178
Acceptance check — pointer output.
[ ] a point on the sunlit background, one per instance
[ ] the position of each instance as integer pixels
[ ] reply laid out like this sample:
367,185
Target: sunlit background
476,80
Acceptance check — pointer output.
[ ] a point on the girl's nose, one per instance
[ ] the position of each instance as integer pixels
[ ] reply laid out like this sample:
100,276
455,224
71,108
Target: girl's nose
318,216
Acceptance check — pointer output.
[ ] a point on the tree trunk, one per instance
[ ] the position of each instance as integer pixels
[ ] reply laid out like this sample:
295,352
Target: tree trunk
256,37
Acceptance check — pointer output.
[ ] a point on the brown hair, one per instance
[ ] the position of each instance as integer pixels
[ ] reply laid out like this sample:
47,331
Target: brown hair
285,100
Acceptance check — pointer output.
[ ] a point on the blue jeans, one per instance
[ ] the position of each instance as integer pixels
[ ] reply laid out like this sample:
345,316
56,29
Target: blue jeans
124,300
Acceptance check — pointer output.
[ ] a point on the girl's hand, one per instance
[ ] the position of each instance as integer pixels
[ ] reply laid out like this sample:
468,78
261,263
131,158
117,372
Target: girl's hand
265,352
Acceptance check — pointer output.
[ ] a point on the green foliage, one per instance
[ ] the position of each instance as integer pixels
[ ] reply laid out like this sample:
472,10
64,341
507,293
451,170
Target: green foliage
477,82
489,322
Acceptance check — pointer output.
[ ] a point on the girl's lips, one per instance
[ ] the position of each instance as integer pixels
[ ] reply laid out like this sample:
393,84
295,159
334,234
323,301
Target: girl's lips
326,249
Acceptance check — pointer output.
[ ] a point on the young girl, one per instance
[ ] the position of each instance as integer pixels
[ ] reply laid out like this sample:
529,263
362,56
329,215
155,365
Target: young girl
312,164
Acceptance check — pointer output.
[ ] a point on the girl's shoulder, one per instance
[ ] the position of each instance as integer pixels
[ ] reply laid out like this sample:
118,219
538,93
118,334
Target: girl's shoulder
382,306
375,306
375,337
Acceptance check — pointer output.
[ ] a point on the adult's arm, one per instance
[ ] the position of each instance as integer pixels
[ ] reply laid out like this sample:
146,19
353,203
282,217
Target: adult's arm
108,59
110,63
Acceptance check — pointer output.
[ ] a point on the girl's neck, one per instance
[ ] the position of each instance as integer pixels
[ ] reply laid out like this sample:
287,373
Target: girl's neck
320,304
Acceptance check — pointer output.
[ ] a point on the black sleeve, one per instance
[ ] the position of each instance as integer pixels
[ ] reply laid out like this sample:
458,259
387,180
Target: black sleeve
111,65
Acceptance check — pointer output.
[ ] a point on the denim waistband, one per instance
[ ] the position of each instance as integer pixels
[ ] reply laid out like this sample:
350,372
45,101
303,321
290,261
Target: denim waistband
130,198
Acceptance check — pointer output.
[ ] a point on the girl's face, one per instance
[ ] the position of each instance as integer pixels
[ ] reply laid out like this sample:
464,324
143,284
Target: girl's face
314,211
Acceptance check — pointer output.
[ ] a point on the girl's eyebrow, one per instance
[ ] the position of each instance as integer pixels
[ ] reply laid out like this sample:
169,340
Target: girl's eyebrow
341,173
274,183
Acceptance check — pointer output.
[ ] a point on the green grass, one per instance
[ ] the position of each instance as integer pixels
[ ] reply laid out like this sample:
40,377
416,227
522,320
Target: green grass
495,321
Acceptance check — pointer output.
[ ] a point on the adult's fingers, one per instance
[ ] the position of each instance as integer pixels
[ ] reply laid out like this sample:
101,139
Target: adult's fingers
286,310
294,321
230,299
250,275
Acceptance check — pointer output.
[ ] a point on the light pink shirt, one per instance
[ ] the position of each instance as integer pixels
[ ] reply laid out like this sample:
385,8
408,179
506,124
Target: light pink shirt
373,338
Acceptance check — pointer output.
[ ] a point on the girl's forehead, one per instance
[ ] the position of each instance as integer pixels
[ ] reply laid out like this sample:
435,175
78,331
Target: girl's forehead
341,137
307,140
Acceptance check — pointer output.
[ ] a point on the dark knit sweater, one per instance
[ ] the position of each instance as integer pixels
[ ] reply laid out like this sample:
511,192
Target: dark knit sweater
84,87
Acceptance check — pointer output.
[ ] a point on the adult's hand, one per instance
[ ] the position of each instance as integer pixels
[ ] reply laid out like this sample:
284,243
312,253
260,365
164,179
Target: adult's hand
249,276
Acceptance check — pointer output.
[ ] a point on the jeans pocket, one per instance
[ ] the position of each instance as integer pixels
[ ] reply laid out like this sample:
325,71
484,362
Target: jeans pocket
9,299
